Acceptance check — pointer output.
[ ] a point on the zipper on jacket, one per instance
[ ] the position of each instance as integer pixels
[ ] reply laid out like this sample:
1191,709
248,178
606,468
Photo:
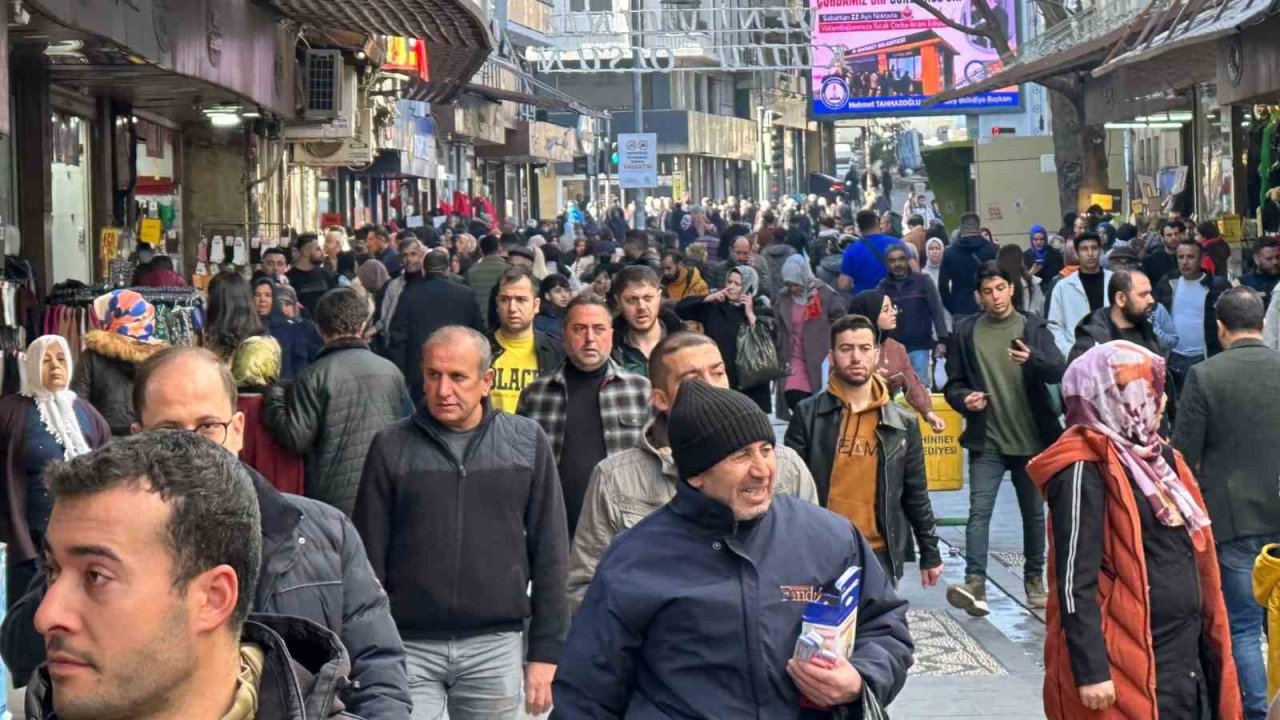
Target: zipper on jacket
882,499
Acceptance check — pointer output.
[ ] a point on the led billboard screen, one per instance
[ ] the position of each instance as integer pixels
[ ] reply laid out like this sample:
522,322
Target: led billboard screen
885,57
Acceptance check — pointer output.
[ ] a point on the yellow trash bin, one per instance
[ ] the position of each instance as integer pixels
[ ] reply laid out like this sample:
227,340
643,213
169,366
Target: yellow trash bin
943,458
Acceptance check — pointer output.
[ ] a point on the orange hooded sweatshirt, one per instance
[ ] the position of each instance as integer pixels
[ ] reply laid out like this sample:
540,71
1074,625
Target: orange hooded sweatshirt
1124,600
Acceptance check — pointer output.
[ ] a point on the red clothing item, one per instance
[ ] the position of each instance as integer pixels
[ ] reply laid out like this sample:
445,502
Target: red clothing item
284,470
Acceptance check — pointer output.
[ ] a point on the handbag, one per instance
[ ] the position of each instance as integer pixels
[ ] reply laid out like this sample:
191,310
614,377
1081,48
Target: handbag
757,356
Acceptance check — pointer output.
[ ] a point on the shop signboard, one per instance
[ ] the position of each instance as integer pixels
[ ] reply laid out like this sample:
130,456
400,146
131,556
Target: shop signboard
886,57
637,160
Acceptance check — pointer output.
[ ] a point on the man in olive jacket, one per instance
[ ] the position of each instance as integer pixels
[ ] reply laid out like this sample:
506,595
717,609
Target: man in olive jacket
1227,416
336,406
819,431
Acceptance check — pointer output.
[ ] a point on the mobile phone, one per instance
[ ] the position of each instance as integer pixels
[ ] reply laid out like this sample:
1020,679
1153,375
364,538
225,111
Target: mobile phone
1013,344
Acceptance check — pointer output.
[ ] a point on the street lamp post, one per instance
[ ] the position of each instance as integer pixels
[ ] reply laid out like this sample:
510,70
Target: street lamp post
637,26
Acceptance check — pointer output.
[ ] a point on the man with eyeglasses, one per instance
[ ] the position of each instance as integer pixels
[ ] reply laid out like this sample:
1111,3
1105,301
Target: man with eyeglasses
313,562
590,408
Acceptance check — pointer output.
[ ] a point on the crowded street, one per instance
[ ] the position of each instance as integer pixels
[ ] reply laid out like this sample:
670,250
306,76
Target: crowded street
640,360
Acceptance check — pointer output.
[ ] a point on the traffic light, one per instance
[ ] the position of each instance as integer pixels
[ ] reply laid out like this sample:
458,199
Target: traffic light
778,154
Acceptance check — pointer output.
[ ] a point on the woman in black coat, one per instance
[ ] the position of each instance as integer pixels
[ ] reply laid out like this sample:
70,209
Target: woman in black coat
723,314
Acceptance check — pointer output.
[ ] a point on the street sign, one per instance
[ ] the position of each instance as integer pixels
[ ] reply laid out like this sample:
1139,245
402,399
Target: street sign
638,160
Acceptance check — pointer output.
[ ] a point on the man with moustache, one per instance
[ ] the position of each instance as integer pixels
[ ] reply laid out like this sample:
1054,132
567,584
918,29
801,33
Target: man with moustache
1128,317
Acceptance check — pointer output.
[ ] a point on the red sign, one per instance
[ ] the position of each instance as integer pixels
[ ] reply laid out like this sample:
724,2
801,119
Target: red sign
407,55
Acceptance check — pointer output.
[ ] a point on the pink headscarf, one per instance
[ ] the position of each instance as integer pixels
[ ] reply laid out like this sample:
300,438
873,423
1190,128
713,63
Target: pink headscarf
1117,389
125,312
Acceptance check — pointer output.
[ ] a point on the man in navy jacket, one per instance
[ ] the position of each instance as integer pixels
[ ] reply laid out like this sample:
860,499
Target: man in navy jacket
695,611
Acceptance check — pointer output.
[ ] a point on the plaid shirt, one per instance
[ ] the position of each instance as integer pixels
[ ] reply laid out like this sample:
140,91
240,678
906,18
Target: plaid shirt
624,408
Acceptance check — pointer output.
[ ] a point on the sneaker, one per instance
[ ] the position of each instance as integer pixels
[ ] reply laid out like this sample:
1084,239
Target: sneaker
970,597
1036,595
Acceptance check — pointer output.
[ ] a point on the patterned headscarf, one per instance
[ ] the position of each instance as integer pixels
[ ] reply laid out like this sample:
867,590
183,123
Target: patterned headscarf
125,312
750,280
1117,389
57,408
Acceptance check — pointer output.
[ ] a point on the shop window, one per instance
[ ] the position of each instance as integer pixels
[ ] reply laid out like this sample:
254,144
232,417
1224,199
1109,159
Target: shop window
1214,159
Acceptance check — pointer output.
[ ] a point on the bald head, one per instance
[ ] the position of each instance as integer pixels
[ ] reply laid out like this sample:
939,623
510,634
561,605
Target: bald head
188,389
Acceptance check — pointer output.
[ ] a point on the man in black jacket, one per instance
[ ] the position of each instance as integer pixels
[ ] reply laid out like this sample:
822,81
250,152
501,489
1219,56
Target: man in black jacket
309,276
1190,294
313,563
999,366
460,508
521,354
173,527
852,430
334,408
1127,318
957,279
428,302
1227,417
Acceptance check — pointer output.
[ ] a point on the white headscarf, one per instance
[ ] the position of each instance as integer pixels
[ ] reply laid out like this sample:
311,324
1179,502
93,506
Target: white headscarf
57,407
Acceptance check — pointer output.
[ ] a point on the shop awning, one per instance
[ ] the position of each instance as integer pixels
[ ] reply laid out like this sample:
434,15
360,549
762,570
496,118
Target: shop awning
1076,57
1220,20
456,31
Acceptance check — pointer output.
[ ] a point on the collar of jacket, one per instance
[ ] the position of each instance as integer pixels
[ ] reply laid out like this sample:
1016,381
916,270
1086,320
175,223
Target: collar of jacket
828,403
709,514
1246,342
542,343
342,343
122,347
279,517
435,429
654,441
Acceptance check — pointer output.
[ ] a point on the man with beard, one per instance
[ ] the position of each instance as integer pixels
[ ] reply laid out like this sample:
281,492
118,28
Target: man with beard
679,279
867,454
309,275
521,354
637,293
1128,318
1263,279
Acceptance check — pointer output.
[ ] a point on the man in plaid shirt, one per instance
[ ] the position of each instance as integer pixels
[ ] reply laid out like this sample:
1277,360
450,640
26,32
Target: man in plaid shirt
590,408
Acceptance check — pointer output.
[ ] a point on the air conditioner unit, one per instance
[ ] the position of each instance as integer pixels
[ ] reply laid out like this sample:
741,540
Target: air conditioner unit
340,126
356,150
322,77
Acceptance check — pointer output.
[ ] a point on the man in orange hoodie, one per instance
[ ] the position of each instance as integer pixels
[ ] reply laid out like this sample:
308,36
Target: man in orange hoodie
1137,627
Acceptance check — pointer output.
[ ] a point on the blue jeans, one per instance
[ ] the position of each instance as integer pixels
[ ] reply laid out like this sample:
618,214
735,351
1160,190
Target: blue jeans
474,678
920,363
1235,559
986,471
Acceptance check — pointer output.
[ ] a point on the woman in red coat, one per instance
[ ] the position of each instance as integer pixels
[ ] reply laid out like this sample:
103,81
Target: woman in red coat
255,367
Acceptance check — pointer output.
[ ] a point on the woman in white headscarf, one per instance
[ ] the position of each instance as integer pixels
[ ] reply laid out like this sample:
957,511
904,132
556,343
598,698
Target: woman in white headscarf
46,422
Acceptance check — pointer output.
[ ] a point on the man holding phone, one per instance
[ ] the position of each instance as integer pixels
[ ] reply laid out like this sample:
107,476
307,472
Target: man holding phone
1000,364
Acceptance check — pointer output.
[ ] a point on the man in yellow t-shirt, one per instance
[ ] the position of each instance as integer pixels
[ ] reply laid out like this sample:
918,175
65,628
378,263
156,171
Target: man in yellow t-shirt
519,354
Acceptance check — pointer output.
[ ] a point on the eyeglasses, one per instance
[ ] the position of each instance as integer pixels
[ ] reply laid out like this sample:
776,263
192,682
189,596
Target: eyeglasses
211,430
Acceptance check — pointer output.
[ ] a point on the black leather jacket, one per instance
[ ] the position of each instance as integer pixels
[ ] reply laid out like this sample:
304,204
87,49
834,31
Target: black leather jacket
903,509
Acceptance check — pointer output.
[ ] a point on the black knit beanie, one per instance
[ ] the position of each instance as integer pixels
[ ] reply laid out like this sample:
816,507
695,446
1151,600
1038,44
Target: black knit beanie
707,424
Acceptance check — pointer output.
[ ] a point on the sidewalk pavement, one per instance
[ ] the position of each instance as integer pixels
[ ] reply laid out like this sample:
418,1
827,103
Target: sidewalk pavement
967,667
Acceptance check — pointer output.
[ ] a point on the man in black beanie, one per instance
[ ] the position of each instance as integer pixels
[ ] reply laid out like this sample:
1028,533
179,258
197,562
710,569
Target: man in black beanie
695,611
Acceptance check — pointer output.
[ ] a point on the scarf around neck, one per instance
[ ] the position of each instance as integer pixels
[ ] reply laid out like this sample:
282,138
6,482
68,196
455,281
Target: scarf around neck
57,408
1116,389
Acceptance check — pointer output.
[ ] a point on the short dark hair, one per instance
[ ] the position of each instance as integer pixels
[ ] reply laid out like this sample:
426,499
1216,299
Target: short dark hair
1208,229
340,312
990,270
551,282
1084,237
867,220
162,262
634,275
670,345
674,254
584,299
1121,283
306,239
854,322
275,251
1188,242
915,221
1240,309
515,274
153,365
214,517
896,247
489,245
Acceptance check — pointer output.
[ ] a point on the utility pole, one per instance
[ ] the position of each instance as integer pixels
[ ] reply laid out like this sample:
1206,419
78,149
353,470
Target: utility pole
637,26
